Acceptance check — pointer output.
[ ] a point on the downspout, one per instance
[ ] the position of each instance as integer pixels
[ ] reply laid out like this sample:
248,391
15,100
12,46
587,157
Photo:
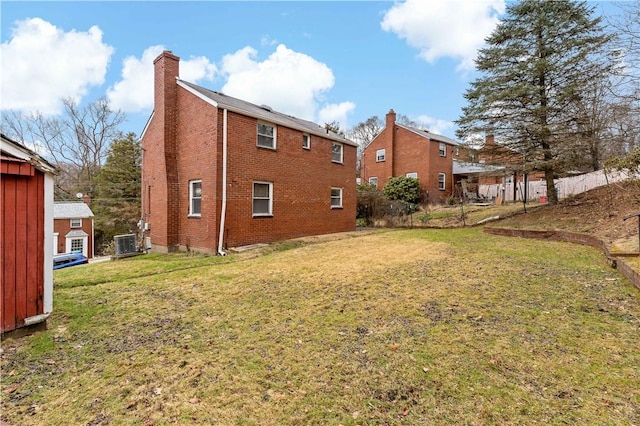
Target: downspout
223,212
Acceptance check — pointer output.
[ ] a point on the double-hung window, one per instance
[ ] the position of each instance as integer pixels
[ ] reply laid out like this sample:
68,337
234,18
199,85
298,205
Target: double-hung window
336,198
381,155
262,199
442,149
442,181
266,135
195,198
76,223
306,141
336,152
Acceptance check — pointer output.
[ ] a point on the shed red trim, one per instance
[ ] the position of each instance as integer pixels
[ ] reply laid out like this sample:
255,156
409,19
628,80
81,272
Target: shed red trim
16,166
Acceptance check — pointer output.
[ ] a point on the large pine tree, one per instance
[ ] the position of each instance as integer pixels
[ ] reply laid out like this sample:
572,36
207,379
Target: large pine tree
538,65
116,202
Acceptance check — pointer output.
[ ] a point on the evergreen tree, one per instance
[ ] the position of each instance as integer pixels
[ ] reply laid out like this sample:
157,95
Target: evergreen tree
116,203
537,67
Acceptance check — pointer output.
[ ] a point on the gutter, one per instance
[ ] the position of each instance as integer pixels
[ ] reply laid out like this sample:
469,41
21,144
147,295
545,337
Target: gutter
223,212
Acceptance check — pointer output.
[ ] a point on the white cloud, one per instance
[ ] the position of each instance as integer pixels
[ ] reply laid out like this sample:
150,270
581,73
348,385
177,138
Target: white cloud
42,64
134,92
444,28
336,112
434,125
288,81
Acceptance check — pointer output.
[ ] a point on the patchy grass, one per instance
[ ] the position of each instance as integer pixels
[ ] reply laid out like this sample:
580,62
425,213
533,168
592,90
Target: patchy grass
413,326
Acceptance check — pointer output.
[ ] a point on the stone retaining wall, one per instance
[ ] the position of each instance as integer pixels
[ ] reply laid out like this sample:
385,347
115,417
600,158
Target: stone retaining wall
614,259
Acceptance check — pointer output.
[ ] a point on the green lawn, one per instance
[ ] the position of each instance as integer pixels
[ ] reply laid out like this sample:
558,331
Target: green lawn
395,327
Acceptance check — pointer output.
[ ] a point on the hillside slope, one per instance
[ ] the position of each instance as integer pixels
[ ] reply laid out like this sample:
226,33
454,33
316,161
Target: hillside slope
599,212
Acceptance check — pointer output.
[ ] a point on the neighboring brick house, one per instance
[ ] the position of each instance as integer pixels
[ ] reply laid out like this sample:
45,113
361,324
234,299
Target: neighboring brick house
401,150
26,275
73,228
219,172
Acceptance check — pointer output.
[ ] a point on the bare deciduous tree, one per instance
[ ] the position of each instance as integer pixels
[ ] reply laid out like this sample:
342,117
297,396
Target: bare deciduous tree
77,141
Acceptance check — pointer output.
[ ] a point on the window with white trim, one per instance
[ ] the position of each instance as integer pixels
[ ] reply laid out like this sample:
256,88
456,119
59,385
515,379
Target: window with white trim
336,198
77,245
306,141
412,175
262,199
195,198
373,180
381,154
442,149
336,152
76,223
442,177
266,135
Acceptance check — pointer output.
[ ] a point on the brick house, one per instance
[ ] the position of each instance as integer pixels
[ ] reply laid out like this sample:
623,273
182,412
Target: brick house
26,276
73,228
401,150
219,172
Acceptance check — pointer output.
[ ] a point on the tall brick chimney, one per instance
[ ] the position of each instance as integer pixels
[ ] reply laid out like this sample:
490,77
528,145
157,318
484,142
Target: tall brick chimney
390,124
166,69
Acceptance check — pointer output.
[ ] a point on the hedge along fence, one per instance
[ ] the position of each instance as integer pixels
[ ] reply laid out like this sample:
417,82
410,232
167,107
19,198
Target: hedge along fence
615,259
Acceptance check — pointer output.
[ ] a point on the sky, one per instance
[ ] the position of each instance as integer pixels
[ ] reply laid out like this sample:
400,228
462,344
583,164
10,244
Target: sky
323,61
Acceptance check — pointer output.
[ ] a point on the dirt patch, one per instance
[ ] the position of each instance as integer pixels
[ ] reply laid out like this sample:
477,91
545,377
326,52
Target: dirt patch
599,212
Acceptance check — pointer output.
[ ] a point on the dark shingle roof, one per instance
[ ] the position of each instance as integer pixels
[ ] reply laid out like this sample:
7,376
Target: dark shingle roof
430,135
221,100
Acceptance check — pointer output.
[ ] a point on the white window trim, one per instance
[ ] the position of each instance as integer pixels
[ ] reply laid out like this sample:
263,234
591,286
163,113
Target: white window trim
341,152
275,135
413,175
375,181
381,155
339,189
85,244
191,198
253,197
442,149
306,141
75,222
444,181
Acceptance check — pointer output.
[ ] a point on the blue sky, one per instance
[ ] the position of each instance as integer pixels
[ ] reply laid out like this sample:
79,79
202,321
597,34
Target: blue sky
322,61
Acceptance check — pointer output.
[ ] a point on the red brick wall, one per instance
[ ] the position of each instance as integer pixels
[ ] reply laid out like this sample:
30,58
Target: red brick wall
302,181
197,136
63,227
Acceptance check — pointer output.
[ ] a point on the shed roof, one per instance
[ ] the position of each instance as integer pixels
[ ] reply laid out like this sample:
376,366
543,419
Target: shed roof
220,100
476,169
71,210
12,151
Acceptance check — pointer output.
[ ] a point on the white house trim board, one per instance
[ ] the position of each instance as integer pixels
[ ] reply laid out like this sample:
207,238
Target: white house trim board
47,301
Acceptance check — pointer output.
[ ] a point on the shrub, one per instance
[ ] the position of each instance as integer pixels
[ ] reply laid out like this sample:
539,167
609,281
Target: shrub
402,188
371,204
